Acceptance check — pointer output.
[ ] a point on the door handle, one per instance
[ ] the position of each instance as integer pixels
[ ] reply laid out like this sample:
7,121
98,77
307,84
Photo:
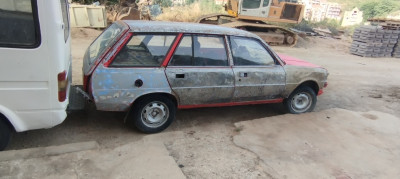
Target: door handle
244,10
179,75
243,74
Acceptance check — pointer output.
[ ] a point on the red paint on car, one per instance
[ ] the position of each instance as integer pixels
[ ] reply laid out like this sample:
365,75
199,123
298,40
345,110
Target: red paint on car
296,62
230,104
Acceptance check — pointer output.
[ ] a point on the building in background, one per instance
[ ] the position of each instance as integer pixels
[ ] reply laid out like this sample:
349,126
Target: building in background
333,11
178,2
318,10
221,2
352,17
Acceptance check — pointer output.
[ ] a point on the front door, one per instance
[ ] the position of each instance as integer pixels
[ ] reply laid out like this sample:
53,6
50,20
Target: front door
257,74
199,72
255,8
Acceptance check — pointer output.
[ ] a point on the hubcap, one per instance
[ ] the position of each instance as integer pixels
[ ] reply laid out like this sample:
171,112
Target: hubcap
301,102
155,114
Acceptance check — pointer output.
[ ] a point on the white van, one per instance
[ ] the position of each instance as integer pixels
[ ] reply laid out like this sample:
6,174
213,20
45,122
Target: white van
35,65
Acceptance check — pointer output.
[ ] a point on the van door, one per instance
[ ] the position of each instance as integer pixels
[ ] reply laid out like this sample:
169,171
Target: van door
199,72
256,8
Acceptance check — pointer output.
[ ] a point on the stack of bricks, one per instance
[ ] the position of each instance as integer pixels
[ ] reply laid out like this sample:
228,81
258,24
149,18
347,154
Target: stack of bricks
396,50
374,41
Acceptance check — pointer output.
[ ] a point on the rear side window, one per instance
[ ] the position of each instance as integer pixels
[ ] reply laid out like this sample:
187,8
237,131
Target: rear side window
144,51
19,27
200,50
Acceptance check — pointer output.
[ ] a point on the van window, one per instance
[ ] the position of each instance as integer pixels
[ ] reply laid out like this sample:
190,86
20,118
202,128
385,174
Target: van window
19,24
144,51
64,10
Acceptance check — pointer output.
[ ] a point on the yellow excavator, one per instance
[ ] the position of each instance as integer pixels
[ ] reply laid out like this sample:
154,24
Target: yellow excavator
253,15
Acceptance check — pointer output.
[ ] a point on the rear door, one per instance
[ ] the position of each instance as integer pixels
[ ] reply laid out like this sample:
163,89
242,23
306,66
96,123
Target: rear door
256,8
257,74
199,72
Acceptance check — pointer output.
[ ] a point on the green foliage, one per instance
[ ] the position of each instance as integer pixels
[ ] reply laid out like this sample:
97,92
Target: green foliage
378,8
210,6
189,2
163,3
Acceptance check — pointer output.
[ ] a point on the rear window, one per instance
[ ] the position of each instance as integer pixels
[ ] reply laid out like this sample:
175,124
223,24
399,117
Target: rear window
19,26
104,41
144,51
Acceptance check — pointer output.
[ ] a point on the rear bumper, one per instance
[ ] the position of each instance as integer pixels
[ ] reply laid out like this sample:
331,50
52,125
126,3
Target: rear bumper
38,119
320,92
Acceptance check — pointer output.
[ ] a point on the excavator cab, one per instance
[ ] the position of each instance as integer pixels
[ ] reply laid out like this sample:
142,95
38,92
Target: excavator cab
286,11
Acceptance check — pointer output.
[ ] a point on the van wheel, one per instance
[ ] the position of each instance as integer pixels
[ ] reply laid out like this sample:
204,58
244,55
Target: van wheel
302,100
153,114
5,134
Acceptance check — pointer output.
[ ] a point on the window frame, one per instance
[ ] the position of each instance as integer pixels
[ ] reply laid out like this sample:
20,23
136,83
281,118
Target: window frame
226,46
145,33
36,24
269,51
67,25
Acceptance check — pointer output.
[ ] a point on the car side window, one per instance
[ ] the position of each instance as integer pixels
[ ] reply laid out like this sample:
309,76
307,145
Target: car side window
200,50
249,52
144,51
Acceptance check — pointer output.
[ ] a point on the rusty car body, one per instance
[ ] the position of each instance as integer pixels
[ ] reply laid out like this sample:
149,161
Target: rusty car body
150,69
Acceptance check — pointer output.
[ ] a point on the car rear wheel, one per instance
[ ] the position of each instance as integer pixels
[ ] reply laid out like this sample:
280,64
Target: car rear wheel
5,134
153,114
302,100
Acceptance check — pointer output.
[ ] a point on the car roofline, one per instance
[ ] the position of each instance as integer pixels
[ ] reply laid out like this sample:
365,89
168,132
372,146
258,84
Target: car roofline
183,27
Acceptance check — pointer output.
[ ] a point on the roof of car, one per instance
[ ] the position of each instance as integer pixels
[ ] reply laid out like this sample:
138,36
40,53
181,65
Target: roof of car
162,26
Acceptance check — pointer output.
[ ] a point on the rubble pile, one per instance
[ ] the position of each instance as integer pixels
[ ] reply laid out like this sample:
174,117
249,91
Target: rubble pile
374,41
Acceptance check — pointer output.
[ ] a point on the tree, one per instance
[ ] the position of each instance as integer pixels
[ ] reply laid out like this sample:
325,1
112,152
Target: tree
163,3
379,8
188,2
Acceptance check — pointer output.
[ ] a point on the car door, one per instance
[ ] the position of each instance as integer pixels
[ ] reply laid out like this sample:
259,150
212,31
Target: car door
199,71
258,76
256,8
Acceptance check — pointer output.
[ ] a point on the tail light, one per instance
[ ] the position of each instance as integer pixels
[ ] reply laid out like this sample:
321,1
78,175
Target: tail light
62,86
325,84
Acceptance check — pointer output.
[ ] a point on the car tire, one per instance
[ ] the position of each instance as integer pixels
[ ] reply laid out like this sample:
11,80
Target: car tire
152,114
5,134
302,100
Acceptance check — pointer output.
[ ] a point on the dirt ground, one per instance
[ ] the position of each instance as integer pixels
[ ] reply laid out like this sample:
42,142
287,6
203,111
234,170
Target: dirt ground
217,142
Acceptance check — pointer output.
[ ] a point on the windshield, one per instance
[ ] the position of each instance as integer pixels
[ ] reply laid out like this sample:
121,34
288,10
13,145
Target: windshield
104,41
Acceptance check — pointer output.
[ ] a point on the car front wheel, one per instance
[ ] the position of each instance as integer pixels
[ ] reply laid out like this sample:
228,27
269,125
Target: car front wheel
153,114
5,134
302,100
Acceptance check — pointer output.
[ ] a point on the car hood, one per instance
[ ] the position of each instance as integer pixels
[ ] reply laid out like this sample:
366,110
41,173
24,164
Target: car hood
296,62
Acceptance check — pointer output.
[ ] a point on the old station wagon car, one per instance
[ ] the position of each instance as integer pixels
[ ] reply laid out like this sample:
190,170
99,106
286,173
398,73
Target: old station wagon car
150,69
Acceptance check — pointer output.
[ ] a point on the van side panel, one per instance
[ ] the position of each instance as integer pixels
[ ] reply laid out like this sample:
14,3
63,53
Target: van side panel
28,76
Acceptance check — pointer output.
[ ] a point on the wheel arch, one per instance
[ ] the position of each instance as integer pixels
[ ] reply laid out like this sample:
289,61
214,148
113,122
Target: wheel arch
168,95
13,121
310,83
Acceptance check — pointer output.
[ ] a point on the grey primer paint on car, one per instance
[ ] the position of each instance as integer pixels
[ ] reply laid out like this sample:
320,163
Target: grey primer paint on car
297,75
114,88
202,85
